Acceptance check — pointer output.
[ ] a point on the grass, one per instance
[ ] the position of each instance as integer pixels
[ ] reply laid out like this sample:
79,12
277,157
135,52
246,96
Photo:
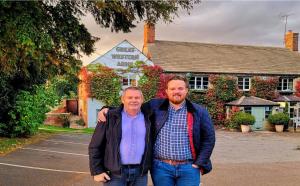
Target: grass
54,129
10,144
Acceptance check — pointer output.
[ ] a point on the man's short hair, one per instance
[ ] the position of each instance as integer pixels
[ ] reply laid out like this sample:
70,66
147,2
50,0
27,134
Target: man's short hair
178,77
132,88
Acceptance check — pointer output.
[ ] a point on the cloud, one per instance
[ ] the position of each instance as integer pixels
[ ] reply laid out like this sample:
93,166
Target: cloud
229,22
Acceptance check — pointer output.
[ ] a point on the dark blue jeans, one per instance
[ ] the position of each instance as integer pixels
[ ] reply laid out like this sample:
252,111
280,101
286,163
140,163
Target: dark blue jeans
164,174
129,177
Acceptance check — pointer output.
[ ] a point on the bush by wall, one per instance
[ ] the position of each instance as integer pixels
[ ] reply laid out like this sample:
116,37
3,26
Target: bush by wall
223,90
279,119
264,88
242,118
149,81
29,111
106,86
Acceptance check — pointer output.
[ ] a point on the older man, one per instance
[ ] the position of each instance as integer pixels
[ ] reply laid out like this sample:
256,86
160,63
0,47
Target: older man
120,149
183,135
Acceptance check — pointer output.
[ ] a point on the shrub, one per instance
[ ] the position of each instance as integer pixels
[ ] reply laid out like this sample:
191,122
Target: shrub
106,86
242,118
29,112
279,119
264,88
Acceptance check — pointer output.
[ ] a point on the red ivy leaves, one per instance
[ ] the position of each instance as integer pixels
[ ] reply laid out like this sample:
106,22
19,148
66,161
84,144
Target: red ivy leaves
298,88
264,88
163,79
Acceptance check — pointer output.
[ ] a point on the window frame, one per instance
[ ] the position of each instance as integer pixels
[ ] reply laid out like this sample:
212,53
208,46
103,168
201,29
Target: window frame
129,78
195,80
244,83
286,82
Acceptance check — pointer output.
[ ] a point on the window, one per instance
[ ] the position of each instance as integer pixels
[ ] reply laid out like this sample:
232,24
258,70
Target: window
285,84
247,110
198,83
268,111
244,83
129,80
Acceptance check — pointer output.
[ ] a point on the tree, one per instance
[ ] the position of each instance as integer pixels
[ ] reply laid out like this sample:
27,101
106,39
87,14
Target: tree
39,39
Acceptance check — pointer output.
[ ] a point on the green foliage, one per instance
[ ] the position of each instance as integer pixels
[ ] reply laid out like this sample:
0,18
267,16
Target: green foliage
225,87
106,86
286,108
264,88
29,112
223,90
66,122
65,86
197,97
279,119
80,122
242,118
39,39
149,81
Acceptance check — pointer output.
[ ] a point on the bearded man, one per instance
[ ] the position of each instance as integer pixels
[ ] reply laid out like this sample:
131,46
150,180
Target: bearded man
183,137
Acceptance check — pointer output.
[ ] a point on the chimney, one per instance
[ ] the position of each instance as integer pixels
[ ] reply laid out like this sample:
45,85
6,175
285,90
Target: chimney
291,40
149,33
149,37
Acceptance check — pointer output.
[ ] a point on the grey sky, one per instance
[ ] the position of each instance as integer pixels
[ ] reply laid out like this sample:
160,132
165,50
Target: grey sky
222,22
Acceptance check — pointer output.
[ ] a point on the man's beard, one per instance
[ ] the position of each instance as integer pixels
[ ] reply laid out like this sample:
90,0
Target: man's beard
177,101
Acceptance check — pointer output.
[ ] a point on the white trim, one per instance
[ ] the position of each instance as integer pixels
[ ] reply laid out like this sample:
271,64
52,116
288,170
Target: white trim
41,168
244,83
287,84
43,150
59,141
197,79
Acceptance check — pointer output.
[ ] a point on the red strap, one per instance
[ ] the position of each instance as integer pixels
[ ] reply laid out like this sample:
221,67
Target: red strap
190,133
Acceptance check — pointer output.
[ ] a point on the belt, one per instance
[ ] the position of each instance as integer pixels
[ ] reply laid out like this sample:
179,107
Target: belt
131,166
174,162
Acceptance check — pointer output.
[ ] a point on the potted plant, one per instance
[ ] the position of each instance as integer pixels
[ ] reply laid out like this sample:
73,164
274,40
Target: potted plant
244,120
279,120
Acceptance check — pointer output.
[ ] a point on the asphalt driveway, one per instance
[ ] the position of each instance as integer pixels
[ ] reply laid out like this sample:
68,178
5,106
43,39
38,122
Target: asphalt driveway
60,160
260,158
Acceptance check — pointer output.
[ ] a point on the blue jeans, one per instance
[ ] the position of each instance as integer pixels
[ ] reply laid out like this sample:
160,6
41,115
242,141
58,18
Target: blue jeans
164,174
128,177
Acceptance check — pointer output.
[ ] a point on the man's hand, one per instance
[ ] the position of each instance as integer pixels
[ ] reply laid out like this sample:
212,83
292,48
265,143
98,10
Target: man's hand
101,177
195,166
101,115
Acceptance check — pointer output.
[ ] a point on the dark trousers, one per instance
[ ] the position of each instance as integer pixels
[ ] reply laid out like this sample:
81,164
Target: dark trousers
130,176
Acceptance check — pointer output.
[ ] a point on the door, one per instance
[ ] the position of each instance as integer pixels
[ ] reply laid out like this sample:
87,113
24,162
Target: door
259,114
297,116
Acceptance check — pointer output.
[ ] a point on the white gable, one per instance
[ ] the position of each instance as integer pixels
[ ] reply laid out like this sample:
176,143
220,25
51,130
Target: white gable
121,56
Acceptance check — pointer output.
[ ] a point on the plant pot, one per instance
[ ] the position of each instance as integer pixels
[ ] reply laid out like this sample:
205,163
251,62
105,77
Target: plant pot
279,128
245,128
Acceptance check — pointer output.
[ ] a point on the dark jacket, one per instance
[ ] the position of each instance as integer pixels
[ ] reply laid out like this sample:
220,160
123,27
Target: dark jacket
201,135
104,148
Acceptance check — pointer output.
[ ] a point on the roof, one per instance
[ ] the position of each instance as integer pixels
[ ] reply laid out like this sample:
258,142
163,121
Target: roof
252,101
174,56
287,98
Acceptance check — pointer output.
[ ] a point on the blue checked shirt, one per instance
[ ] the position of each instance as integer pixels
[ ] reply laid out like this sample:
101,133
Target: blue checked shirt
172,141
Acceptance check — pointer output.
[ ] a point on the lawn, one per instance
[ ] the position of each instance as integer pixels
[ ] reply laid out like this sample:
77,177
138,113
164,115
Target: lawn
10,144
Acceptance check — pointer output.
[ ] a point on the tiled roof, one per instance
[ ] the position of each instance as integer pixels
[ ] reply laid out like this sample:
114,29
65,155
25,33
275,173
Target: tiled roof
252,101
175,56
287,98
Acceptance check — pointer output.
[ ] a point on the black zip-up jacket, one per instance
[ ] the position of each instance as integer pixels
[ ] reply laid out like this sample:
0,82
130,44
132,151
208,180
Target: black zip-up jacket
104,148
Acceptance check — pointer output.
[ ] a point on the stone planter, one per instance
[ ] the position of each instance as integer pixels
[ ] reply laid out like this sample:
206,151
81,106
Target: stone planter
245,128
279,128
